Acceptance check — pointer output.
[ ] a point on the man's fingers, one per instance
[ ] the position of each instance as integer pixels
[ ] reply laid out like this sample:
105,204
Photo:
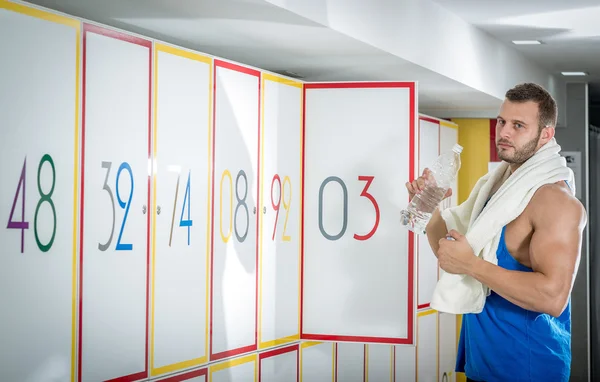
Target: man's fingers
418,184
415,186
427,174
455,234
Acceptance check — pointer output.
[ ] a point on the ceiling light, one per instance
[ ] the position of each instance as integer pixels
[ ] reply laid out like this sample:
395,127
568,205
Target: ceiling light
526,42
573,73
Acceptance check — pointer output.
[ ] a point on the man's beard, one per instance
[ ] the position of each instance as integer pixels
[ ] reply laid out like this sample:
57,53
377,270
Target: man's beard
520,155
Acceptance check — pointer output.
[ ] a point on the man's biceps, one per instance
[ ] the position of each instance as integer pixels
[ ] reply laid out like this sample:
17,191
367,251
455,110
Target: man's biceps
556,232
552,253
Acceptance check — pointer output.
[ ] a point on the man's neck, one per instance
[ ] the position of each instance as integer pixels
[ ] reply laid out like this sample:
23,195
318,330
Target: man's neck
514,167
500,182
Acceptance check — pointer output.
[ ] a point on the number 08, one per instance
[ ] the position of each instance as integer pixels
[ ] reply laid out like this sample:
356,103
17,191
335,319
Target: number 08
241,203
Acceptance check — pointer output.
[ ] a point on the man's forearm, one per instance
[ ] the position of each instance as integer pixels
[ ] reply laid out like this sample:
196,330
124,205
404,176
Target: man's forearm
436,230
529,290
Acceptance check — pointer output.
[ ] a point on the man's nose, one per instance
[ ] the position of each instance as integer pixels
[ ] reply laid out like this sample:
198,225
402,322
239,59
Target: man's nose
505,130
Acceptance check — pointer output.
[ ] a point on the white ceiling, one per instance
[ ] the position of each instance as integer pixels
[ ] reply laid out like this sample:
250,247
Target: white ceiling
257,33
569,30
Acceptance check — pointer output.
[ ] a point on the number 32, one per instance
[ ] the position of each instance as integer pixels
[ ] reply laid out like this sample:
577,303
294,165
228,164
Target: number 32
125,205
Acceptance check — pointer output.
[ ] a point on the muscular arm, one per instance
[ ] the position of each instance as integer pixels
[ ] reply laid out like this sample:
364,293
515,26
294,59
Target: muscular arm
558,220
436,230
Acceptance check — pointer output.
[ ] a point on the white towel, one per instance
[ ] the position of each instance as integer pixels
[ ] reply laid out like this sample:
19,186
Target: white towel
482,227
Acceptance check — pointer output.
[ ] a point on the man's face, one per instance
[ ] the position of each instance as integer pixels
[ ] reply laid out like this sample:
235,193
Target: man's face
518,135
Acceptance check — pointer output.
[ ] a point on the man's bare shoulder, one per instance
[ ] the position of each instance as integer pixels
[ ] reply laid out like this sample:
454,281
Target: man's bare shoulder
555,203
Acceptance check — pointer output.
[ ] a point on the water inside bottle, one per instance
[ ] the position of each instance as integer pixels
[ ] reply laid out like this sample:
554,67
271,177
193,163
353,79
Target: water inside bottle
416,216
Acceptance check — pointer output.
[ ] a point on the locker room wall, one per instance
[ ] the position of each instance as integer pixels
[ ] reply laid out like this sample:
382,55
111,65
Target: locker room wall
155,218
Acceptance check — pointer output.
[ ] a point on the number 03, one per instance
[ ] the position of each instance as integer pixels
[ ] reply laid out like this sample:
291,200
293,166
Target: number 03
365,193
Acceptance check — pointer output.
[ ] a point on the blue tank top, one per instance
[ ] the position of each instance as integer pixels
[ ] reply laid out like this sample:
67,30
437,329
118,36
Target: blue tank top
508,343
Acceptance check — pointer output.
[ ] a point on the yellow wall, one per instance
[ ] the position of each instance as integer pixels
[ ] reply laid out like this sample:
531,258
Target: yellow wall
474,137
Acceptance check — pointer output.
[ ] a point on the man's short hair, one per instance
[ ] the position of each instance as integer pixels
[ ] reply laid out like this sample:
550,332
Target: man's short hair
547,109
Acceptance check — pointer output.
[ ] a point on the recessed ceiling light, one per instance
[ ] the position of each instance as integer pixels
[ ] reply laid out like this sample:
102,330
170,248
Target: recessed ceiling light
573,73
526,42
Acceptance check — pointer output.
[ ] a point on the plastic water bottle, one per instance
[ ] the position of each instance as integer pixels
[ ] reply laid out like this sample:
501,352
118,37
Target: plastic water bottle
443,172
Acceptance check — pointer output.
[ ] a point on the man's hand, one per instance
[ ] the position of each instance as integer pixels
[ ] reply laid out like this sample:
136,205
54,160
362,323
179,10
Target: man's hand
456,256
418,185
436,228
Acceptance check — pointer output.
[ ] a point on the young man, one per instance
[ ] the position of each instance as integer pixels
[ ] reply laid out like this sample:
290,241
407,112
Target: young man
524,330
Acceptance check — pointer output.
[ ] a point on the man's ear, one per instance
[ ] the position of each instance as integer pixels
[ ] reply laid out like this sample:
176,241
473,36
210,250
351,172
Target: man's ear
548,133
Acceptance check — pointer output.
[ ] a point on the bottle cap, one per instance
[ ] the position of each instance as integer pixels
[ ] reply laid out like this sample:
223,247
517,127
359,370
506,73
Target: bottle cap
457,148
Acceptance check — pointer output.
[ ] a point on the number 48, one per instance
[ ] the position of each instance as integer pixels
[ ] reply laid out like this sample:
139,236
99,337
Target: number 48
45,197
